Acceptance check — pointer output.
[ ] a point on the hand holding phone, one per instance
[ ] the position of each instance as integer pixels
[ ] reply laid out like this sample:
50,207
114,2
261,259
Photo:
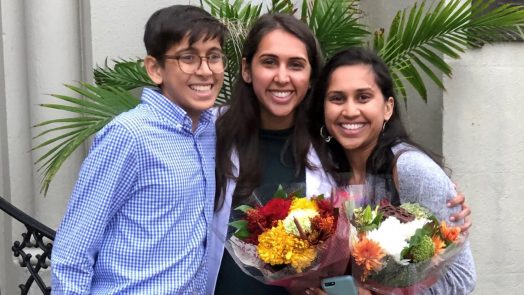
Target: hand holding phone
341,285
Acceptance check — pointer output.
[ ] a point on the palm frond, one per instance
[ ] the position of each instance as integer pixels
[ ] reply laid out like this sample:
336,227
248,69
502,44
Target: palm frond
238,18
335,24
282,6
233,51
418,36
126,74
94,110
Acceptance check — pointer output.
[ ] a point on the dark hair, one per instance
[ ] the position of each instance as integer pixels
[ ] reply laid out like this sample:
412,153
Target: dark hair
332,154
238,127
170,25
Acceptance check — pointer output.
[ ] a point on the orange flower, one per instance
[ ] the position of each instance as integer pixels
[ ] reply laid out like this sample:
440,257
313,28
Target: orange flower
439,244
367,253
449,233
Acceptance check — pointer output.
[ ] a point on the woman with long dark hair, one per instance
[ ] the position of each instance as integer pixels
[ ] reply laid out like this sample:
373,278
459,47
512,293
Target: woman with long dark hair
257,142
262,139
357,130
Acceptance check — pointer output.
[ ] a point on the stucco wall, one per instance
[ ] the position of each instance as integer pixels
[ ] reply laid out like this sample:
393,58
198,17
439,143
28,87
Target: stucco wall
483,143
16,136
482,134
423,120
117,27
45,44
3,160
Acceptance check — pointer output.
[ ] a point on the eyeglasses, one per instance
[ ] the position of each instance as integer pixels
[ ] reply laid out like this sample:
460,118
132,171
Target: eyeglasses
190,63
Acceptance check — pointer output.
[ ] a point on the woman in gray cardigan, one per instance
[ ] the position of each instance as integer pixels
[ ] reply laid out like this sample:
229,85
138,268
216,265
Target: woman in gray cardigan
356,127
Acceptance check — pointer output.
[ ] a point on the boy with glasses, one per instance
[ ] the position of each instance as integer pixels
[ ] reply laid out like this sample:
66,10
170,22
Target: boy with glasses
139,216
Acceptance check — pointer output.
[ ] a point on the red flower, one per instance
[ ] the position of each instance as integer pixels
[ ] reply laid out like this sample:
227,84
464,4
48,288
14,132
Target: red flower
256,224
276,209
261,219
325,207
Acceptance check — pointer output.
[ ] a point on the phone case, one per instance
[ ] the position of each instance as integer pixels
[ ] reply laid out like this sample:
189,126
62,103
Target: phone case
341,285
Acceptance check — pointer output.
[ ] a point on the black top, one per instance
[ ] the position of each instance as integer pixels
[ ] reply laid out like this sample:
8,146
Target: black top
276,156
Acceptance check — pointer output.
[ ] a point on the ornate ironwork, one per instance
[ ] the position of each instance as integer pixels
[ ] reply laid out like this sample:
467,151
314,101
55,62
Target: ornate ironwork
38,236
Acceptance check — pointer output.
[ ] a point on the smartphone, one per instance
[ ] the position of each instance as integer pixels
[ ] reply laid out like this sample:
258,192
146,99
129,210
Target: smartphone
341,285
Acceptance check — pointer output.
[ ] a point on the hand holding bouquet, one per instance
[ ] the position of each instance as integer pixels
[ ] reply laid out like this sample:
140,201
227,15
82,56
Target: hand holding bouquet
290,241
401,249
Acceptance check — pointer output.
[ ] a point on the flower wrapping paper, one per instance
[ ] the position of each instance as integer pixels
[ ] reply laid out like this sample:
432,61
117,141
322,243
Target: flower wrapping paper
301,239
395,254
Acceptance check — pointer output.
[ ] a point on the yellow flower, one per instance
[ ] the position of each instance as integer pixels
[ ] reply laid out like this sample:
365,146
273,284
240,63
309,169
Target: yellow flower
303,259
275,247
303,203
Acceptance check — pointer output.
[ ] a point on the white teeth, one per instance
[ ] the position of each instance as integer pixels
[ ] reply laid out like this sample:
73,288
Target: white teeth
352,126
200,88
281,94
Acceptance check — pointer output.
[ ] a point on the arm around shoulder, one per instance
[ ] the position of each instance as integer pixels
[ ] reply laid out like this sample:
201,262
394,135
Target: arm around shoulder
421,180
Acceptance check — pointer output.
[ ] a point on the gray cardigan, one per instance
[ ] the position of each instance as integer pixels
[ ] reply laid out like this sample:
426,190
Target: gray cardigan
421,180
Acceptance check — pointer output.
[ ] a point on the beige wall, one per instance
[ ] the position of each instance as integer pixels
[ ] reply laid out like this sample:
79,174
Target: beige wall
483,143
477,125
116,28
45,44
479,132
422,120
3,177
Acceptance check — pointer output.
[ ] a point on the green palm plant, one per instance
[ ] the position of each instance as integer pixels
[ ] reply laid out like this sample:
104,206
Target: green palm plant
413,47
417,35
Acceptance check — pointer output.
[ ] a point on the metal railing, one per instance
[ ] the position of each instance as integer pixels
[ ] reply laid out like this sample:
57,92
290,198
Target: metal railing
37,236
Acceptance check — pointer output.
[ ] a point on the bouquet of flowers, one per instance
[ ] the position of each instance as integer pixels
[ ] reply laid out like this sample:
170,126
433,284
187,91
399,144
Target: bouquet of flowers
291,241
400,249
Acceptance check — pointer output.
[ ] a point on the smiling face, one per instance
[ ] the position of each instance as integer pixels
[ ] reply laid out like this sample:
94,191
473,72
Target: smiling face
280,75
355,109
196,92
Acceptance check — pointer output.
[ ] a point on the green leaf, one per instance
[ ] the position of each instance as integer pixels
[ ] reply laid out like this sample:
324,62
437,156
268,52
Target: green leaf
241,229
243,208
417,237
378,219
335,24
282,6
238,224
367,215
242,234
99,105
280,193
378,40
126,74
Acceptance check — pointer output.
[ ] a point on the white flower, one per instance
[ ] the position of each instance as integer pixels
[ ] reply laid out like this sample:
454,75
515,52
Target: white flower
304,219
393,236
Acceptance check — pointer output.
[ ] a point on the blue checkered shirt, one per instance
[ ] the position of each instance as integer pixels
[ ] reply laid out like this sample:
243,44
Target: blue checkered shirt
139,216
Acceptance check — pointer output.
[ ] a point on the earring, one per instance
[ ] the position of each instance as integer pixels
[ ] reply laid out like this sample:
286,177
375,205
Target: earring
326,138
384,125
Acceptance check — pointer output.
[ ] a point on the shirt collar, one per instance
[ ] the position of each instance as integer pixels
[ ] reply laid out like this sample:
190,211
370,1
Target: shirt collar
170,111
